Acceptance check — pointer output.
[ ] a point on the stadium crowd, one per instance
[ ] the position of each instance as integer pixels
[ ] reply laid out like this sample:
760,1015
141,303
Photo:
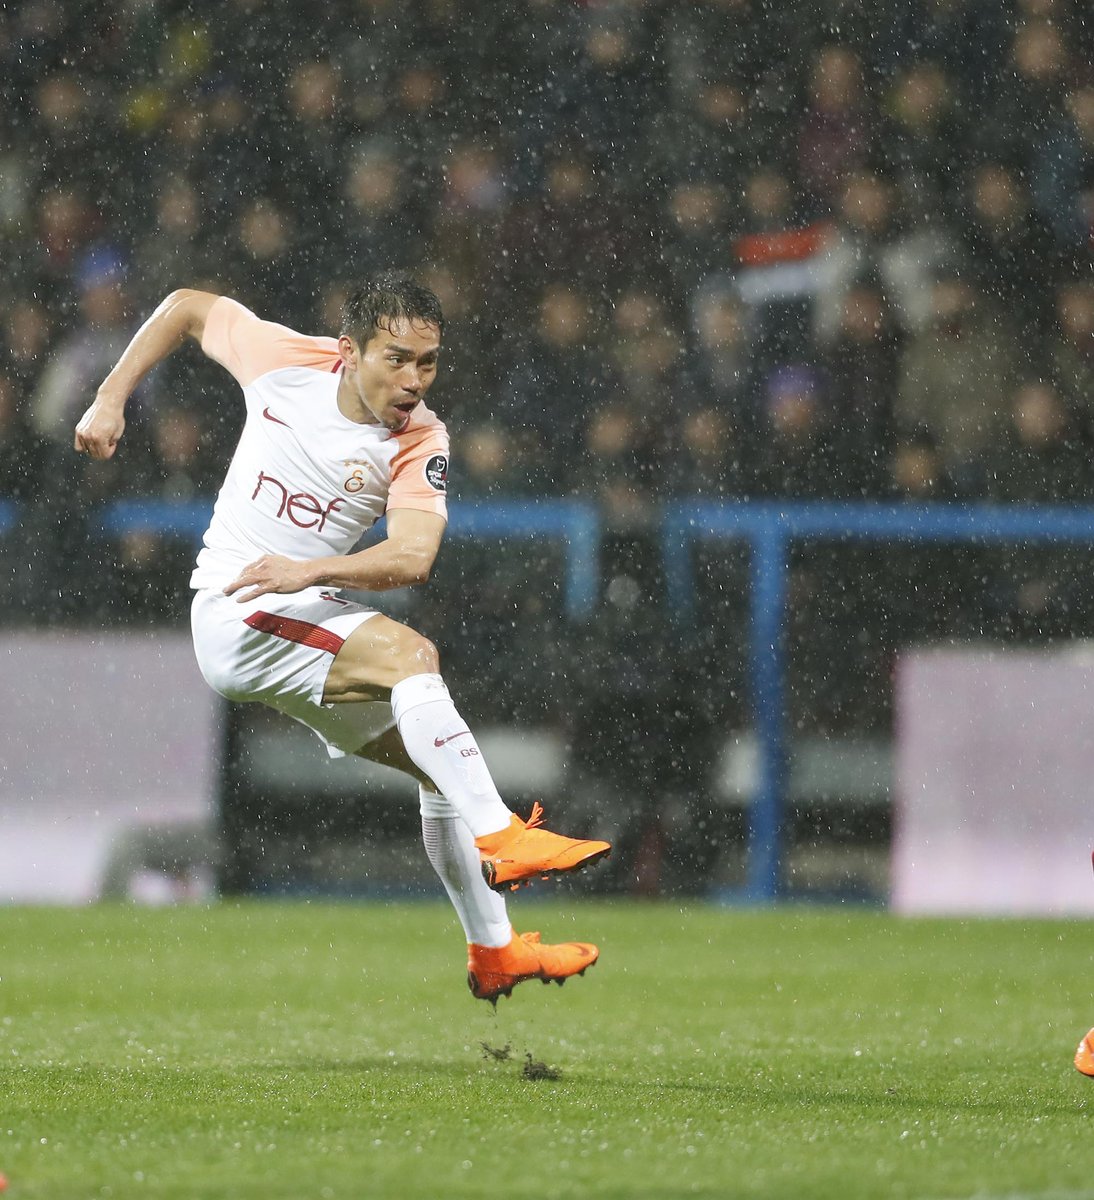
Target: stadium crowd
716,248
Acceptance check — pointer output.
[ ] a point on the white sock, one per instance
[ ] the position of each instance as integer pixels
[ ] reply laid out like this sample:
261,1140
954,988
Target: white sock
438,741
451,849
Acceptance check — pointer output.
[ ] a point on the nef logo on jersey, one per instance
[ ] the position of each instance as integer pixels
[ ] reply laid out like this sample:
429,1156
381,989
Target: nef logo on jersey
302,508
436,473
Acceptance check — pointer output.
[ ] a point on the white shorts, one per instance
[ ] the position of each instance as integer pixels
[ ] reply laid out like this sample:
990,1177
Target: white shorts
277,650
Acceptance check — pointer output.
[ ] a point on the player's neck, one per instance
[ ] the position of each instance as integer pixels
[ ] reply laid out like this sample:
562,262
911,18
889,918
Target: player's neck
351,406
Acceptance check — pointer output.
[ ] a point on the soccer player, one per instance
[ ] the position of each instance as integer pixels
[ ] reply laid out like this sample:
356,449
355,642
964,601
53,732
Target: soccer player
336,436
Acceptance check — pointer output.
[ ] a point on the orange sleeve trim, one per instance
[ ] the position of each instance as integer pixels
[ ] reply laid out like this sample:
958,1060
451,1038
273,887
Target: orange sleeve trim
419,471
249,347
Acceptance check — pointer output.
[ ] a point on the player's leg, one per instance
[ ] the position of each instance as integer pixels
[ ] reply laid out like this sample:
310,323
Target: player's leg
450,847
383,657
497,957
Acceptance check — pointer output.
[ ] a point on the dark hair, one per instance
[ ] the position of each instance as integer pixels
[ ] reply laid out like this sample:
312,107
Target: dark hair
388,297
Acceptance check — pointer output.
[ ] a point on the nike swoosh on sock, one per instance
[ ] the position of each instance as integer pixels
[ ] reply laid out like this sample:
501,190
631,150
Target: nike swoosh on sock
441,741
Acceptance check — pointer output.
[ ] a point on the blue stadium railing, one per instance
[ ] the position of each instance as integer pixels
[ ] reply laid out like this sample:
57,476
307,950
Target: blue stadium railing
573,523
768,528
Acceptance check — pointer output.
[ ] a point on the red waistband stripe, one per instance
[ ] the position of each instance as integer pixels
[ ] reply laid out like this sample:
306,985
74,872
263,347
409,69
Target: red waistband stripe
292,630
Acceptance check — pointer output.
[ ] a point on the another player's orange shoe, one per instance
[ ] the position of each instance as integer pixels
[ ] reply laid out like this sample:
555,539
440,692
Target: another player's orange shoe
494,972
524,851
1084,1056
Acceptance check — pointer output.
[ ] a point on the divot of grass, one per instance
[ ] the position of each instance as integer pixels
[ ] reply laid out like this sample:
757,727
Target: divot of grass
538,1070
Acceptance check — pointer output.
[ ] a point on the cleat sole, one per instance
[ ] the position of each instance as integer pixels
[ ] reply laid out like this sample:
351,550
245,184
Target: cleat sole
489,873
493,997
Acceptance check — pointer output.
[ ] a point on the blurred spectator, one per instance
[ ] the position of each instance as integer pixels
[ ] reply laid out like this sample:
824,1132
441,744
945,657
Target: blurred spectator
836,128
610,89
867,240
712,459
916,470
1071,352
1031,88
262,269
470,215
172,253
557,379
617,470
647,353
1037,590
86,353
952,376
495,464
468,378
421,122
707,137
368,56
696,241
23,455
1063,174
68,132
1040,456
378,214
967,38
797,457
1009,248
862,364
312,147
569,231
720,370
720,39
67,227
775,270
26,338
30,565
920,142
180,467
235,159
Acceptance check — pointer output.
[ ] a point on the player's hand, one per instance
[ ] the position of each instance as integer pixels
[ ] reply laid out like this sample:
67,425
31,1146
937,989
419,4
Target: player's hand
271,573
100,429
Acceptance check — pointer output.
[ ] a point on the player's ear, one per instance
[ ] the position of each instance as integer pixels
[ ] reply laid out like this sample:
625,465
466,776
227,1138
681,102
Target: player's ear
347,348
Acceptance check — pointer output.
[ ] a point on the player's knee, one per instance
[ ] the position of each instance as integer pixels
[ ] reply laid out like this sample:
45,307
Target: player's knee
420,656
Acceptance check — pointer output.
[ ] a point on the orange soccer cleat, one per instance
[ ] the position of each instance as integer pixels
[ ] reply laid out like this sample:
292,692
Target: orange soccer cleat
494,972
517,854
1084,1056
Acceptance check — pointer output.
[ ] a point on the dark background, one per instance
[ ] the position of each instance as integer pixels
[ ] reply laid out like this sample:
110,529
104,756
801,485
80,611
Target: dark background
723,250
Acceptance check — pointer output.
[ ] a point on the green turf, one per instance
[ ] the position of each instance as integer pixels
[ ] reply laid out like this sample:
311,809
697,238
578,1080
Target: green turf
310,1051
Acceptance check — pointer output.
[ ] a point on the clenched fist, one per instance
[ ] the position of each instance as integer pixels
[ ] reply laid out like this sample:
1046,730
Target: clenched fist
100,429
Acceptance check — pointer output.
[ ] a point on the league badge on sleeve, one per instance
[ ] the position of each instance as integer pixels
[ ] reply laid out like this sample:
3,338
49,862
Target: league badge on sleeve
436,472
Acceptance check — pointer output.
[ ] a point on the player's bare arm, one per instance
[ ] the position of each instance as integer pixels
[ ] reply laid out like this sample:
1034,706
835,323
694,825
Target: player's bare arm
182,314
405,557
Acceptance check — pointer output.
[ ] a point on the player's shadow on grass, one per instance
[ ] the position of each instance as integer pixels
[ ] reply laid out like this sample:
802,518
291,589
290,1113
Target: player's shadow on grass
889,1099
770,1093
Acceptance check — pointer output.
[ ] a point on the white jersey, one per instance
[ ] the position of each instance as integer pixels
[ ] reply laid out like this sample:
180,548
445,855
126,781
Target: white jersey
305,481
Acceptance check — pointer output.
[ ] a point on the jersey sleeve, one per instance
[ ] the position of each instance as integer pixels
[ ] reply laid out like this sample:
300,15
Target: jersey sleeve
419,474
250,347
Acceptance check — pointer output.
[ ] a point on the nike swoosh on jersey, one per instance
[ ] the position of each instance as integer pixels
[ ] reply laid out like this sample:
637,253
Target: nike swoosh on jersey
270,417
441,741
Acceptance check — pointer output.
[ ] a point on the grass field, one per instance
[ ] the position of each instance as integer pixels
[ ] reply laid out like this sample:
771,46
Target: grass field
305,1050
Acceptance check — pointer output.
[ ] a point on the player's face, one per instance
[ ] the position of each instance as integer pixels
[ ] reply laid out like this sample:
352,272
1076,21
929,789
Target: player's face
394,369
